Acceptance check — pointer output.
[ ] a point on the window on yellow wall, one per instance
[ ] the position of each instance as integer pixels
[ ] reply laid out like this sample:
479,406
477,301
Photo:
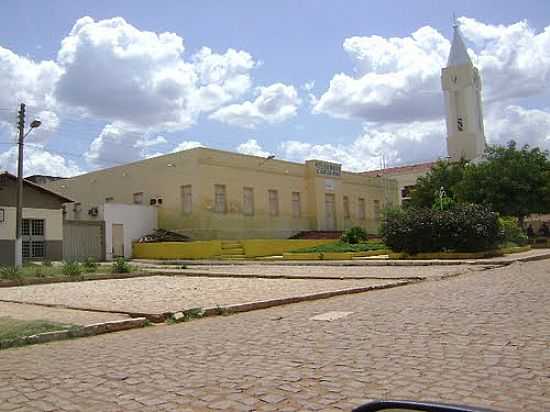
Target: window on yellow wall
186,199
361,209
273,196
347,213
248,201
296,204
377,212
219,199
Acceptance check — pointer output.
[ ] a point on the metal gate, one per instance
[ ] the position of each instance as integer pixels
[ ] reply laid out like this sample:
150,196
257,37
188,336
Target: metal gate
83,239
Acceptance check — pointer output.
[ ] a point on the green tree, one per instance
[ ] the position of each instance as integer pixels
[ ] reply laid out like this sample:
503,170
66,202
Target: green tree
443,174
512,182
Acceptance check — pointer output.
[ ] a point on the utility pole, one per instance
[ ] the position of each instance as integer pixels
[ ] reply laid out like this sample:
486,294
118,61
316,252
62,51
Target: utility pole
19,202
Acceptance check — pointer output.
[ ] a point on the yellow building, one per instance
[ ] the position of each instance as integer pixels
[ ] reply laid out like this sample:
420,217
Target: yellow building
212,194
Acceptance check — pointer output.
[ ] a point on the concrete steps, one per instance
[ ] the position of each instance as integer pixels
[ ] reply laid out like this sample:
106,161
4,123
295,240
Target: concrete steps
232,250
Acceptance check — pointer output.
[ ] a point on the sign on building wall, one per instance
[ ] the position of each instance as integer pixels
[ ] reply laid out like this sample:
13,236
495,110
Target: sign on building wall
327,168
2,216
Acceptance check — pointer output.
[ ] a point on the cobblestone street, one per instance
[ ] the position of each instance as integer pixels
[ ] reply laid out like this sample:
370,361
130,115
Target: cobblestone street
482,338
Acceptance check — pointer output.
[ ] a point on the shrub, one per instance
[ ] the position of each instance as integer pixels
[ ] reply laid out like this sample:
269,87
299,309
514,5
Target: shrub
47,263
511,231
39,272
121,266
90,265
72,269
10,272
463,228
354,235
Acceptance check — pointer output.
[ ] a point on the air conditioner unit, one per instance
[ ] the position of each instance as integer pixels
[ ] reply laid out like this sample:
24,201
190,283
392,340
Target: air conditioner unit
93,211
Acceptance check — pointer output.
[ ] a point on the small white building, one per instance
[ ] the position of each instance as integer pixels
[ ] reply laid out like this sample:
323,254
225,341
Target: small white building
121,224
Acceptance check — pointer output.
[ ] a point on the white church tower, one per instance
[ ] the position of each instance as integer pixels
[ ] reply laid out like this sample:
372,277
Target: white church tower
462,88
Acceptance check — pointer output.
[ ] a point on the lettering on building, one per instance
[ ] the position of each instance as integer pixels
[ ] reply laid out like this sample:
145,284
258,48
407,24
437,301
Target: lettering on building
327,168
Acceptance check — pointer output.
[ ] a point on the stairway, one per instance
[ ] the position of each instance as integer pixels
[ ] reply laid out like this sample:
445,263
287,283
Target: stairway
232,250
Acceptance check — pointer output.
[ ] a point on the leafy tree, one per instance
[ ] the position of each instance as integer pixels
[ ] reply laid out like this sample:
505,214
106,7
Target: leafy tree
512,182
443,174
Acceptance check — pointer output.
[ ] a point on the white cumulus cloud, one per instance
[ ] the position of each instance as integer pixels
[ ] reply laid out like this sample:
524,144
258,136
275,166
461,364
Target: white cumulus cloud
397,143
252,147
398,79
118,145
186,145
38,160
116,72
274,104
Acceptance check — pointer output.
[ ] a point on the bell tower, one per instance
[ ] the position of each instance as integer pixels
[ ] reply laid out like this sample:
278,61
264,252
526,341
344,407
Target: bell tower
462,89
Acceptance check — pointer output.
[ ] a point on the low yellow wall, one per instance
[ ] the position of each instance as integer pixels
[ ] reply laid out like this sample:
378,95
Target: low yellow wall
272,247
178,250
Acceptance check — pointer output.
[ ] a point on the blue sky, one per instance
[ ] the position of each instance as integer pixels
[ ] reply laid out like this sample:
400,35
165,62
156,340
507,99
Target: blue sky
306,78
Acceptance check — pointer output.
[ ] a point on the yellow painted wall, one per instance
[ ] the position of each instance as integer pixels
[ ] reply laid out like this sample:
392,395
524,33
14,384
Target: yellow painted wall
273,247
177,250
163,177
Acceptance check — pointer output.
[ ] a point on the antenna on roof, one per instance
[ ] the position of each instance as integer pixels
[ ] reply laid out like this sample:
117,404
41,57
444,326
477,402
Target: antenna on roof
455,21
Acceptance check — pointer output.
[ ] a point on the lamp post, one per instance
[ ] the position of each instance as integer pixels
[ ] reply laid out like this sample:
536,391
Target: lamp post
19,201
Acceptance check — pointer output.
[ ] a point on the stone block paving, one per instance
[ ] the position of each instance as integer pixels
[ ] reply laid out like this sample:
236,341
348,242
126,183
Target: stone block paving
59,315
480,339
344,272
161,294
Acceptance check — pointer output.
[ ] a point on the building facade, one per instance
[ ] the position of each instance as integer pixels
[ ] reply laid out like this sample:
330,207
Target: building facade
42,229
212,194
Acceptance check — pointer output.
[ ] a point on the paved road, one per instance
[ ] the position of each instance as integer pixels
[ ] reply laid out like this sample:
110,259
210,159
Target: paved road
481,338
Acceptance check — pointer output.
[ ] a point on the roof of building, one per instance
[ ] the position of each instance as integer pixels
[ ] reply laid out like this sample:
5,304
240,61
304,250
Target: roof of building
459,54
34,178
416,168
65,199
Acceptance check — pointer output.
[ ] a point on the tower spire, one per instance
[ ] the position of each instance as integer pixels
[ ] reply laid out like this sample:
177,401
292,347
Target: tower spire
459,54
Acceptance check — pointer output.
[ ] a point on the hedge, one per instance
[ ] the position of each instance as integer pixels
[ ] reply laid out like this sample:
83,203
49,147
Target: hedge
463,228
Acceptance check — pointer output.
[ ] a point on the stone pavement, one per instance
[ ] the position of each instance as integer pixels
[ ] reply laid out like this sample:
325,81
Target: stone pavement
328,272
161,294
481,338
60,315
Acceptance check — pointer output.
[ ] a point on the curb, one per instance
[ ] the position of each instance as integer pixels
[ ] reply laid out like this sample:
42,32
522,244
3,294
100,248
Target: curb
78,332
29,281
206,274
264,304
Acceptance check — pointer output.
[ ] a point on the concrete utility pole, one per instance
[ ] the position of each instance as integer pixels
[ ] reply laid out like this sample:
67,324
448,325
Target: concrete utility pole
19,202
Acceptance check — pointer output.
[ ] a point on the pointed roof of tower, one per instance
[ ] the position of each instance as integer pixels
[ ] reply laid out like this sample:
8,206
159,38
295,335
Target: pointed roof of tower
459,54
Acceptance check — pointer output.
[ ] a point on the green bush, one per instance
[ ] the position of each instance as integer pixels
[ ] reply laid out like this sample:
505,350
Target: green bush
47,263
354,235
463,228
10,272
90,265
121,266
512,231
72,269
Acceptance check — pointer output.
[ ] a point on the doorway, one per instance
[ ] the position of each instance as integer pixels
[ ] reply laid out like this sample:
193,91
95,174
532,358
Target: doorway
118,240
330,211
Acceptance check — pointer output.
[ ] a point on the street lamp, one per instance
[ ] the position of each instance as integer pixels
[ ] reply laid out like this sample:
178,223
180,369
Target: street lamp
19,201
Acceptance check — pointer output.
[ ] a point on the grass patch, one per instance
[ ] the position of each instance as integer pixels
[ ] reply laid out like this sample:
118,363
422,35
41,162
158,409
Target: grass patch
341,247
14,328
35,270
